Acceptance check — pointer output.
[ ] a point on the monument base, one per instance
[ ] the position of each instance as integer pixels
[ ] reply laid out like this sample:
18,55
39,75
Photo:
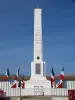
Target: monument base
37,87
32,83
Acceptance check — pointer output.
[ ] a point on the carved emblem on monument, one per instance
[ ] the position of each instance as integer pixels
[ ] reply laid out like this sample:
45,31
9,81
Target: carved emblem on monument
38,57
38,90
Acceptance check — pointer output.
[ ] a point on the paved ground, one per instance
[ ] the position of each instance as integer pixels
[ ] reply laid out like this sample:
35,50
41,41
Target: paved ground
34,98
38,97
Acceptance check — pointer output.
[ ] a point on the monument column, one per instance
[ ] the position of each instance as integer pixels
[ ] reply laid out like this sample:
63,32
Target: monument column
38,34
38,69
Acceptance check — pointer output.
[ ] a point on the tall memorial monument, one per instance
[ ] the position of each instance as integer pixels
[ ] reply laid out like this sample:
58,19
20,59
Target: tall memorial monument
38,66
38,69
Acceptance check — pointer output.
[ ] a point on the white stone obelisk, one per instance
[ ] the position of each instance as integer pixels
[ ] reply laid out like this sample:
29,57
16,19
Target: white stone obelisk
38,34
38,68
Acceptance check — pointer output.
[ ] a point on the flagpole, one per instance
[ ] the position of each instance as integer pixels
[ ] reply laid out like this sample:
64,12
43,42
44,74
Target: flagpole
20,92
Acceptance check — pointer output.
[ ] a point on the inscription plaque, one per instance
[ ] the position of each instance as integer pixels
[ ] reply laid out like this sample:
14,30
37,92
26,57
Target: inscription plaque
38,68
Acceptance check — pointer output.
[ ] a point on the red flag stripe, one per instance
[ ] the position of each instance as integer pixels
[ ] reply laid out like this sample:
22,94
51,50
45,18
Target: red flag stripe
5,77
23,85
61,77
13,86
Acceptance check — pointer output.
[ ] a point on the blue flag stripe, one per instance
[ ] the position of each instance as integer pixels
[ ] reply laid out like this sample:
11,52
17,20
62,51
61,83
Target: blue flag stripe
11,81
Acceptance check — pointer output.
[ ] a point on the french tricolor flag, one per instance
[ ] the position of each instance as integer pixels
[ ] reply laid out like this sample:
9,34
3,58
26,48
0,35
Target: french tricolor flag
62,74
13,83
52,78
7,74
52,75
23,83
59,84
17,74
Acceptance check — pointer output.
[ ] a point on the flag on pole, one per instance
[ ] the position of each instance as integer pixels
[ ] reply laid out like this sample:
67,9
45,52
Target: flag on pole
17,74
23,83
14,81
13,84
62,74
52,78
19,84
60,83
7,74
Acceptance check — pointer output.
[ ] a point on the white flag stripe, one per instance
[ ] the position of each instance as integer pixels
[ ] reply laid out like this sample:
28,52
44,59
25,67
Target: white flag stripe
52,76
62,72
59,83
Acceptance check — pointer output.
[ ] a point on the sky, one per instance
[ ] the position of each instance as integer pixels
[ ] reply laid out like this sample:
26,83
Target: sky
16,35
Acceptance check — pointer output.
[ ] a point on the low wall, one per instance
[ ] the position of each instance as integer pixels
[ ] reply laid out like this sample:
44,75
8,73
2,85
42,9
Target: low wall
5,86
